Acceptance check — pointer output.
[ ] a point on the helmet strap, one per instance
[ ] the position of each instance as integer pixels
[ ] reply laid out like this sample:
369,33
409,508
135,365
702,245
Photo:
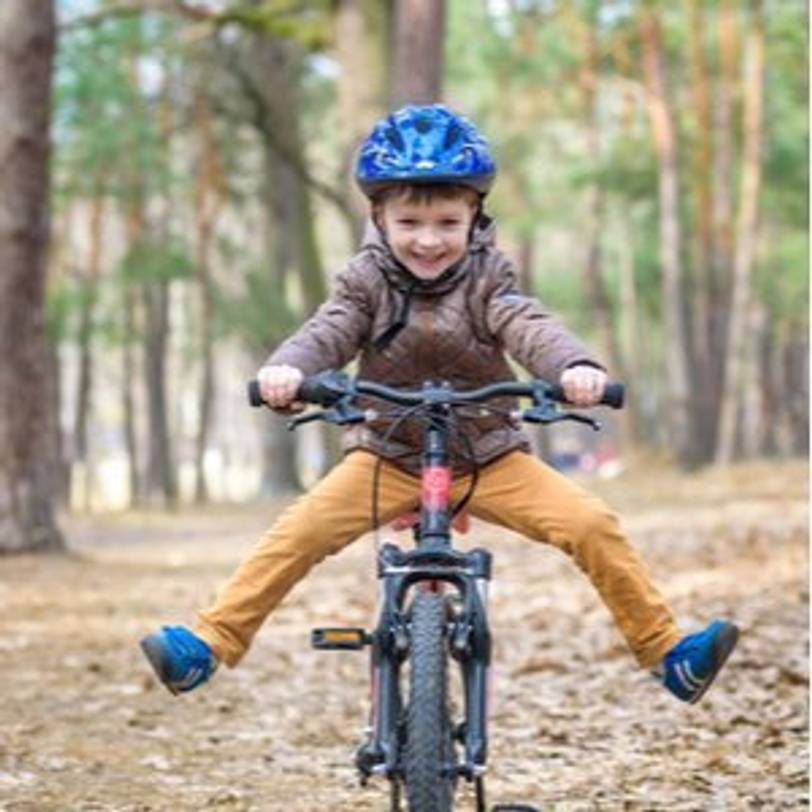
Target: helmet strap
384,339
479,213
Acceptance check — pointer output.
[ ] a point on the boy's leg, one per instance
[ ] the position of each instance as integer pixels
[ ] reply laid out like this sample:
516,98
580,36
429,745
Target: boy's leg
321,522
523,494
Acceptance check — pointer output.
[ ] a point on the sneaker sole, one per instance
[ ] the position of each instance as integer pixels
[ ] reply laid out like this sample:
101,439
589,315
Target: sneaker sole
153,651
722,648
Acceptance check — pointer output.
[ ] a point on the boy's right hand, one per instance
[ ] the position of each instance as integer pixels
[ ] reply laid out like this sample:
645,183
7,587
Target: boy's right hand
279,386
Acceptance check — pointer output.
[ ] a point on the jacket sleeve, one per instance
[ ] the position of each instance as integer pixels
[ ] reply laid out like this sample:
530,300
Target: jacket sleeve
528,331
330,338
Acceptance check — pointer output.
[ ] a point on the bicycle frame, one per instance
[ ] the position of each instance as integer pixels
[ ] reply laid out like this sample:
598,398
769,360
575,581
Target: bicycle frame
431,565
432,562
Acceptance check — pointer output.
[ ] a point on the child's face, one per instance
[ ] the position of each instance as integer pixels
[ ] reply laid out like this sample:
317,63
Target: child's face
427,237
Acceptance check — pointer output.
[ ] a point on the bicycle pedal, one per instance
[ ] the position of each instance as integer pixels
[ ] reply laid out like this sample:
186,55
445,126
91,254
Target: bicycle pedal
340,639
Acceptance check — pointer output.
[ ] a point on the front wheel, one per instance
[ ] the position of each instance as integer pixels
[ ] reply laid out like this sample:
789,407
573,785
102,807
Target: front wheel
429,762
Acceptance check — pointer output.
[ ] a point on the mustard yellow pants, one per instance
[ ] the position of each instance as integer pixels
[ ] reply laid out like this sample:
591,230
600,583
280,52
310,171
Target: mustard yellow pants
516,491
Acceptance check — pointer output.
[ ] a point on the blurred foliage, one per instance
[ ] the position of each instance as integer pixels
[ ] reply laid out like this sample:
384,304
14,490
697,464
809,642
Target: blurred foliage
259,314
105,124
512,67
783,270
125,128
519,82
64,301
151,261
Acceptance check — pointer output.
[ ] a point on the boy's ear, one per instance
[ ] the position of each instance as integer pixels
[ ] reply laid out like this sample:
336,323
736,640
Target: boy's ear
376,214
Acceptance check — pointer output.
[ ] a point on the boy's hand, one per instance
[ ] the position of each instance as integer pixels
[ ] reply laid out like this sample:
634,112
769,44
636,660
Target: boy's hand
583,385
279,386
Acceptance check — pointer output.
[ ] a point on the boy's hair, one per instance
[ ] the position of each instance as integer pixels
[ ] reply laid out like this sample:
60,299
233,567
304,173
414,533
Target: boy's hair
425,193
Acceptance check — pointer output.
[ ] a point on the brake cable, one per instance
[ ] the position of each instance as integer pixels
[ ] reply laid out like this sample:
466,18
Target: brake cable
452,423
376,474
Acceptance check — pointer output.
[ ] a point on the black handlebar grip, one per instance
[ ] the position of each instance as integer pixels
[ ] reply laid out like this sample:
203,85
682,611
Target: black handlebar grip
311,390
325,388
254,394
613,395
314,389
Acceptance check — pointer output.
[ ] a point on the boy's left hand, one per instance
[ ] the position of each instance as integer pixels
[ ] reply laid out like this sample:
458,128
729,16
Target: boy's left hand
583,385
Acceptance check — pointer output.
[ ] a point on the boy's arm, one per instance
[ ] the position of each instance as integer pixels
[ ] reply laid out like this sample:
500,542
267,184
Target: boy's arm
333,335
530,333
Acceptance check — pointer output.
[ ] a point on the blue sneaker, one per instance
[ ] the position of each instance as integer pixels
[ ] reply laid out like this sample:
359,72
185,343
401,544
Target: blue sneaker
690,667
181,659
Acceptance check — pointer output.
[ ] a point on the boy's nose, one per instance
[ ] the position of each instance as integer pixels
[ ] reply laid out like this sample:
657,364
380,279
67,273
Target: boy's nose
428,237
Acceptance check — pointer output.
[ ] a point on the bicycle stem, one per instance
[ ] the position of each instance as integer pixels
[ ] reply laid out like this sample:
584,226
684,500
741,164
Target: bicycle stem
435,519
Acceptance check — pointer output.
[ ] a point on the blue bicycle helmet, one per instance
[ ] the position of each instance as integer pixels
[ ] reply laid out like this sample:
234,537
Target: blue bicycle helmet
424,144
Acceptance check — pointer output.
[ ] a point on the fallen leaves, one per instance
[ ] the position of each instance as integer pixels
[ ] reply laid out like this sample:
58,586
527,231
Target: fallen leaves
575,725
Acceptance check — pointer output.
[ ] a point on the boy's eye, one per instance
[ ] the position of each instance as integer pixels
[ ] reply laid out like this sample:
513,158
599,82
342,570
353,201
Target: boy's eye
406,221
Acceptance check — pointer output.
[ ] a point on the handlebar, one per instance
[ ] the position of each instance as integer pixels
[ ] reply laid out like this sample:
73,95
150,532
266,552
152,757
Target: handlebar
327,388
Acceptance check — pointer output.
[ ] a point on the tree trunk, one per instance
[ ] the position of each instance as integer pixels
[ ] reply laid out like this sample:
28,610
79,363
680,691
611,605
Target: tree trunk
133,228
539,435
641,429
61,465
292,228
796,393
28,471
416,75
161,482
279,63
630,336
665,144
205,394
705,359
722,245
597,294
770,382
208,198
128,399
527,259
84,391
280,474
60,226
755,414
359,42
746,236
161,479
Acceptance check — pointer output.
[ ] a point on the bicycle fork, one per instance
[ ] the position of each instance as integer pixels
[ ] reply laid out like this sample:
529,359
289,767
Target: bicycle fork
468,640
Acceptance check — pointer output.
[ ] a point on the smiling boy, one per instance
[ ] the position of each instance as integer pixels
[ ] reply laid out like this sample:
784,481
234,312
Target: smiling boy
430,297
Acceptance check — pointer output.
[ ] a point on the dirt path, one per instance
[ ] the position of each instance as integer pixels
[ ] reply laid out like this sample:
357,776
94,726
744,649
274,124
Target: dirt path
576,726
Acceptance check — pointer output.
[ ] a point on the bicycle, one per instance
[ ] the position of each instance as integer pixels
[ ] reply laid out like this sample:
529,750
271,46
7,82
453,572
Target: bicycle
415,742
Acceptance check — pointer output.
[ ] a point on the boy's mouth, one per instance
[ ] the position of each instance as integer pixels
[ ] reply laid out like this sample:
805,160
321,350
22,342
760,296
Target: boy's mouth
427,261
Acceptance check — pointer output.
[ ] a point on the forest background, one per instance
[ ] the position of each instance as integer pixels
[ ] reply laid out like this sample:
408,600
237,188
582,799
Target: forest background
175,196
653,189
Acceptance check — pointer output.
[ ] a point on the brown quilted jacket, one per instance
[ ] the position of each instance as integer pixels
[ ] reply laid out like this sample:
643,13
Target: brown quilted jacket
458,329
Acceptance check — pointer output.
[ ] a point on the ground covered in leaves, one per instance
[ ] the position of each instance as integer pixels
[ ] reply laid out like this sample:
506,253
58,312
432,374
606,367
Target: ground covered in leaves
575,726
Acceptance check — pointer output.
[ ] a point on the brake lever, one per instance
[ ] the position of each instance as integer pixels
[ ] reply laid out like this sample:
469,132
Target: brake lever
342,414
297,421
582,418
549,413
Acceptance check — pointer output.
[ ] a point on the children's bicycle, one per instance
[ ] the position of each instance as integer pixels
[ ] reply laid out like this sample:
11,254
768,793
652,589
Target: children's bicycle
434,599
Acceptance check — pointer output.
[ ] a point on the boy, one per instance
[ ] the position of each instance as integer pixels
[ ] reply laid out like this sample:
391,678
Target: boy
429,297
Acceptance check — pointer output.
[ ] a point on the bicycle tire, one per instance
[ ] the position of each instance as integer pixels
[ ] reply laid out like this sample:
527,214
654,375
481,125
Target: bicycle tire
429,753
